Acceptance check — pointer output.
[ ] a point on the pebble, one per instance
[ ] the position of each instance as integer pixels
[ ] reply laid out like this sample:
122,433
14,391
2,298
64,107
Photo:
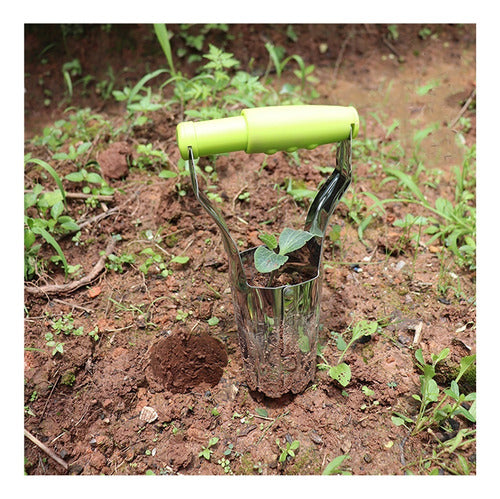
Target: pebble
316,438
148,414
400,265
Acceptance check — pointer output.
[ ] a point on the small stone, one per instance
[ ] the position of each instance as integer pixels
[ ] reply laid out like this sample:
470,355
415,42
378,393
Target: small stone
400,265
316,438
346,446
95,291
367,458
148,414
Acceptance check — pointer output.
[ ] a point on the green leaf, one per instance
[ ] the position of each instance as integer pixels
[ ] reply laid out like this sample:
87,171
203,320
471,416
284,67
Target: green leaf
213,441
465,363
70,226
213,321
407,182
266,260
48,237
429,389
397,420
340,342
94,178
75,176
29,238
364,328
83,148
56,210
440,356
167,174
51,171
269,240
180,259
419,356
261,412
341,373
334,465
292,240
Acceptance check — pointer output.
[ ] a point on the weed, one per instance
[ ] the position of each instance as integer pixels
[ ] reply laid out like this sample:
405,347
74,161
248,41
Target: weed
148,157
70,70
116,262
341,372
164,38
207,451
448,403
63,325
287,453
304,73
393,31
226,465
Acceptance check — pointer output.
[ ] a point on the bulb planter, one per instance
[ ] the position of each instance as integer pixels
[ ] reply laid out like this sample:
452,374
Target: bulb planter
278,325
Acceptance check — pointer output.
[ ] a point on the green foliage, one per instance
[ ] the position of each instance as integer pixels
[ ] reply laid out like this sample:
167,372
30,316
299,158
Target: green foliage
341,372
96,185
148,157
46,219
448,402
266,260
62,325
334,467
116,262
207,451
288,452
164,39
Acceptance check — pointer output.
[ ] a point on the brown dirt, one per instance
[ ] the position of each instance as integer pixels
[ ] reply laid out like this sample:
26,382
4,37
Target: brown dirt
183,362
85,404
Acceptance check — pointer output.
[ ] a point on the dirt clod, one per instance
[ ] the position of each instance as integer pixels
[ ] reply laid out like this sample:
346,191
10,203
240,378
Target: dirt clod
114,160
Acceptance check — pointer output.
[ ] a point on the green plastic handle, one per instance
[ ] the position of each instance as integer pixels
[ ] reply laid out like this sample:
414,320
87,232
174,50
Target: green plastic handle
269,129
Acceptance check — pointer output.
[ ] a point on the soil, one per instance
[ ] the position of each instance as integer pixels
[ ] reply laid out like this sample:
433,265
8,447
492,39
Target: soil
156,347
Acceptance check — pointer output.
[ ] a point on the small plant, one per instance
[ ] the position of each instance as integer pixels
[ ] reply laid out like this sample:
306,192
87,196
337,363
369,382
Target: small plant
288,452
226,465
70,70
341,372
116,262
266,259
207,451
147,157
64,325
448,403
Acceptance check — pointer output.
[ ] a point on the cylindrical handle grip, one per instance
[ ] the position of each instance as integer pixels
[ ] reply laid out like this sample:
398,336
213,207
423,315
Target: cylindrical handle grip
269,129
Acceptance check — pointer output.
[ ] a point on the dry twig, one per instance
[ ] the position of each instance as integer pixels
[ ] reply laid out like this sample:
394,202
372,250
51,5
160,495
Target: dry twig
464,108
45,449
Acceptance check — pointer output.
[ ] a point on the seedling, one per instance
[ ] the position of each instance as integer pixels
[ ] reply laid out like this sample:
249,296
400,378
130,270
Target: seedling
207,451
449,402
341,372
267,260
287,452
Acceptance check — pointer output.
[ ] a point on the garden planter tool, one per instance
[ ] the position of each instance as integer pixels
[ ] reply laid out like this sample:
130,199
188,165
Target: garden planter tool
277,326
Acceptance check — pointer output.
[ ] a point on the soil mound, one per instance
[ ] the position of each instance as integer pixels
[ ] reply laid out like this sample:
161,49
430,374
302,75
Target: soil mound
182,362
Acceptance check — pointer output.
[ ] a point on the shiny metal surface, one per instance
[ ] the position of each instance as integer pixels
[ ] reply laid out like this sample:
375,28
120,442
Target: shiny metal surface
278,326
